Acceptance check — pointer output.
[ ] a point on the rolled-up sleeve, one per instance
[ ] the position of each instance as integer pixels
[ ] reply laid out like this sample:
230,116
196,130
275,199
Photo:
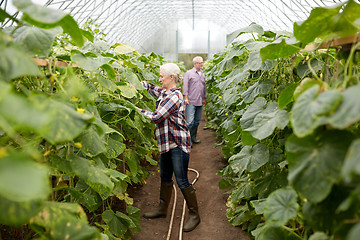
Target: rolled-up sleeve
166,107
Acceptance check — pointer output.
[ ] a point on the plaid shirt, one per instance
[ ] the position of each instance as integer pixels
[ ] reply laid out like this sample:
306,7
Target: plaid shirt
169,118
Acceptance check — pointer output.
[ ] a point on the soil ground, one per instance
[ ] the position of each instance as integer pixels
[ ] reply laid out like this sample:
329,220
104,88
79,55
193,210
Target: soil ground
207,160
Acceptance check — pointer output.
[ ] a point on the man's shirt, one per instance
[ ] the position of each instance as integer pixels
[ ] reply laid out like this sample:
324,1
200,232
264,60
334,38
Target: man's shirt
194,87
169,118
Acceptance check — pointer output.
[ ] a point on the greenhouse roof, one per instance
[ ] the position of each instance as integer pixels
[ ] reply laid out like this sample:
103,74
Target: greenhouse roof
134,21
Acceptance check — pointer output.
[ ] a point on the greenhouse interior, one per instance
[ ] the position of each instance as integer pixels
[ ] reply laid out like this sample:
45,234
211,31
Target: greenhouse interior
233,119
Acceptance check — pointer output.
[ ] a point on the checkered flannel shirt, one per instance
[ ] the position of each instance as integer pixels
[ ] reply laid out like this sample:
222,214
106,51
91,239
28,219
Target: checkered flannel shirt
169,118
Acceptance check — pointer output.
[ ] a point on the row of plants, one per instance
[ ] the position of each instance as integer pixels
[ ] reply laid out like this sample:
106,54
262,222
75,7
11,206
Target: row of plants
288,120
71,141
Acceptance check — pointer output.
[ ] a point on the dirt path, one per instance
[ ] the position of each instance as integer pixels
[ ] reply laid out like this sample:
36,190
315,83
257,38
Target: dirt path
207,160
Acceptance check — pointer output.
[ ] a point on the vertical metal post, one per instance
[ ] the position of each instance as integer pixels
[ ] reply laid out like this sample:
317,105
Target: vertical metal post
177,45
208,50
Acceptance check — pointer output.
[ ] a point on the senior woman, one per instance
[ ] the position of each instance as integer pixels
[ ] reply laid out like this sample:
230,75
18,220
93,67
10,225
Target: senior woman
173,140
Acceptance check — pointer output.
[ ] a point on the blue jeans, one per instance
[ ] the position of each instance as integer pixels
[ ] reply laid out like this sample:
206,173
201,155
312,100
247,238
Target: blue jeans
193,118
175,161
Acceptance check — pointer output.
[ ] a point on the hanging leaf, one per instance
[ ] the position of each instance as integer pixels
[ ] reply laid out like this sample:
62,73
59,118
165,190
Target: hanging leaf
312,110
351,165
317,24
319,236
261,119
92,175
286,96
354,232
49,18
106,83
234,78
281,206
118,222
114,145
36,41
280,48
133,79
250,158
89,63
260,87
92,143
259,205
315,162
277,233
17,213
123,49
14,63
127,90
254,62
65,123
348,111
109,70
302,69
22,179
64,220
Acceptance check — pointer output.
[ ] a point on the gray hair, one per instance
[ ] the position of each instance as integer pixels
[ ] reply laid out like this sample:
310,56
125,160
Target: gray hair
197,59
172,69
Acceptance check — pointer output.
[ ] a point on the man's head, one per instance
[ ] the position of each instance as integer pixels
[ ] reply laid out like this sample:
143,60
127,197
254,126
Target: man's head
198,62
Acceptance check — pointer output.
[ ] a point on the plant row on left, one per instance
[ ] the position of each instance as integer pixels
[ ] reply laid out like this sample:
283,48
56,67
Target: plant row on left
71,141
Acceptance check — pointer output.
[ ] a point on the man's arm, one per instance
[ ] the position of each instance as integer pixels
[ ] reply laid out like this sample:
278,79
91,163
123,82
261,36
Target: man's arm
186,88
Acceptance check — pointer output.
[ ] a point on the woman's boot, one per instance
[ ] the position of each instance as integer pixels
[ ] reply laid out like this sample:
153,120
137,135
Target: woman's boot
191,202
165,196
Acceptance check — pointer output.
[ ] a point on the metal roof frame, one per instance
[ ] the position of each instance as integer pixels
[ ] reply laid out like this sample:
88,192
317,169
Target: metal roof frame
134,21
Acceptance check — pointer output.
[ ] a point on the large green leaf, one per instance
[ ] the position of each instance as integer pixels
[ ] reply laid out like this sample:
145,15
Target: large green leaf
65,123
312,110
286,96
348,111
14,62
235,77
64,221
118,222
260,87
252,28
261,118
344,22
36,41
133,79
281,206
16,213
92,175
22,113
244,189
92,143
127,90
22,179
354,232
49,18
277,233
254,62
114,146
315,162
280,48
90,63
317,24
267,184
250,158
319,236
352,165
134,214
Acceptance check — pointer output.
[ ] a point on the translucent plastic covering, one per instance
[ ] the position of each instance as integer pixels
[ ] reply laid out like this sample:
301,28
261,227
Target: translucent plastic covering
172,27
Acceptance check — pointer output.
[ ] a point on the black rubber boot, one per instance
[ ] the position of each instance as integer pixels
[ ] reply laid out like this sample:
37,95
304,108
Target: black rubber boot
193,133
165,196
191,202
